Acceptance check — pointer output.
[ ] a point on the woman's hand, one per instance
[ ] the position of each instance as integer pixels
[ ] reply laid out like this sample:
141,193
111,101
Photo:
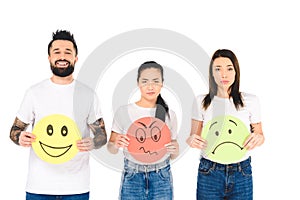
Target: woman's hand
254,140
121,141
196,141
173,148
117,141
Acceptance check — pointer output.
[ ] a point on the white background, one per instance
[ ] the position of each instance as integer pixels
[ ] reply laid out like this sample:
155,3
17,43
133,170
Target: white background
263,34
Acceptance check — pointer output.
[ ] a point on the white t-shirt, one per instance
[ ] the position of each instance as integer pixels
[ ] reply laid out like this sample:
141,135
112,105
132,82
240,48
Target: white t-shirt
126,115
248,114
77,102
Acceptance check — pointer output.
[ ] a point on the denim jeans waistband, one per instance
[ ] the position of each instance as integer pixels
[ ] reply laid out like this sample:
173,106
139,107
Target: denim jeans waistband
234,167
145,168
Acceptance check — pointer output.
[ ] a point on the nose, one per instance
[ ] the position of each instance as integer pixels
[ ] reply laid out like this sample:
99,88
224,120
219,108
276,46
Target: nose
223,74
62,56
150,85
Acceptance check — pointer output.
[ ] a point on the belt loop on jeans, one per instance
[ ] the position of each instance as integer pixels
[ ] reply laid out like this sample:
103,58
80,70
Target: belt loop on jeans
239,167
214,166
156,169
136,168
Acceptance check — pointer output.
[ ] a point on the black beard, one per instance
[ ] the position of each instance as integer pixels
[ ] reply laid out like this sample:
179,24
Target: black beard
62,72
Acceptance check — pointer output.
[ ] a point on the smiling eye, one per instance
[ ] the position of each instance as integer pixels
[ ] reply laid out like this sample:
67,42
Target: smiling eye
217,133
155,134
140,135
64,131
229,131
49,129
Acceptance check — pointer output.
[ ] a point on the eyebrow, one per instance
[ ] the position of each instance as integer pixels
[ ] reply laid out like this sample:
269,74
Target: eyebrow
152,79
142,124
230,65
212,124
67,49
233,122
152,124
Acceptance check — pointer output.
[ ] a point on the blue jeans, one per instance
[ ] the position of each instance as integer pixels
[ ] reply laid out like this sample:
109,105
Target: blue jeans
145,182
217,181
31,196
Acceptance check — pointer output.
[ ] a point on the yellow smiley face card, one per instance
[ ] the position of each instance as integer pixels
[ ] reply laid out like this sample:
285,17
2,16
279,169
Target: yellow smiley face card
56,137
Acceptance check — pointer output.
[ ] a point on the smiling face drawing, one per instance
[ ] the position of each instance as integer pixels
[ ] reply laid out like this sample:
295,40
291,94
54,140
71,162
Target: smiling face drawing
148,137
56,137
225,136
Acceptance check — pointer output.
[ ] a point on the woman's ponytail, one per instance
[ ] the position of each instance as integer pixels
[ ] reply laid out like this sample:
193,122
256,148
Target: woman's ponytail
162,108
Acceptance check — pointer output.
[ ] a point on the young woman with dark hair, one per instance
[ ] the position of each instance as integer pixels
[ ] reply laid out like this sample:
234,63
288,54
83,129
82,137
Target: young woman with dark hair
218,180
146,178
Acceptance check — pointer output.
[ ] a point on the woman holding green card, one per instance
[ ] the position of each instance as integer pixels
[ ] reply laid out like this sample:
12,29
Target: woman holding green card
219,119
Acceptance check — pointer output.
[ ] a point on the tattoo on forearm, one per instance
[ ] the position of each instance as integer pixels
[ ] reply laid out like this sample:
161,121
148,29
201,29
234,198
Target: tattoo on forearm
16,129
98,128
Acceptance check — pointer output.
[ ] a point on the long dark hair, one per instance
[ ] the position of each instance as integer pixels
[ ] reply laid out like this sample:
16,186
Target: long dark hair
161,106
234,89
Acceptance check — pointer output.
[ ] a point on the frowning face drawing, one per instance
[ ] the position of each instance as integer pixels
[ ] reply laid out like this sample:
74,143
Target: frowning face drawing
148,137
225,136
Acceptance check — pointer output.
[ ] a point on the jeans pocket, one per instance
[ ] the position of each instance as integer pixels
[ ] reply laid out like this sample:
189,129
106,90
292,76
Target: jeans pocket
165,173
247,171
129,174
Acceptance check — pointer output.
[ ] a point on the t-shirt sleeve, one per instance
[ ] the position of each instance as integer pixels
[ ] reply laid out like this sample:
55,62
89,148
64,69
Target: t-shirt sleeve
255,113
117,122
26,112
95,110
197,111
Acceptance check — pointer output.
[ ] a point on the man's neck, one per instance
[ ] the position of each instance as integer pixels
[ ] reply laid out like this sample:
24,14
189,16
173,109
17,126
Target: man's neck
62,80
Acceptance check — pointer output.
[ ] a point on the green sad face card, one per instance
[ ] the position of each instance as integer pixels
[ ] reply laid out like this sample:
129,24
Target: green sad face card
225,137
